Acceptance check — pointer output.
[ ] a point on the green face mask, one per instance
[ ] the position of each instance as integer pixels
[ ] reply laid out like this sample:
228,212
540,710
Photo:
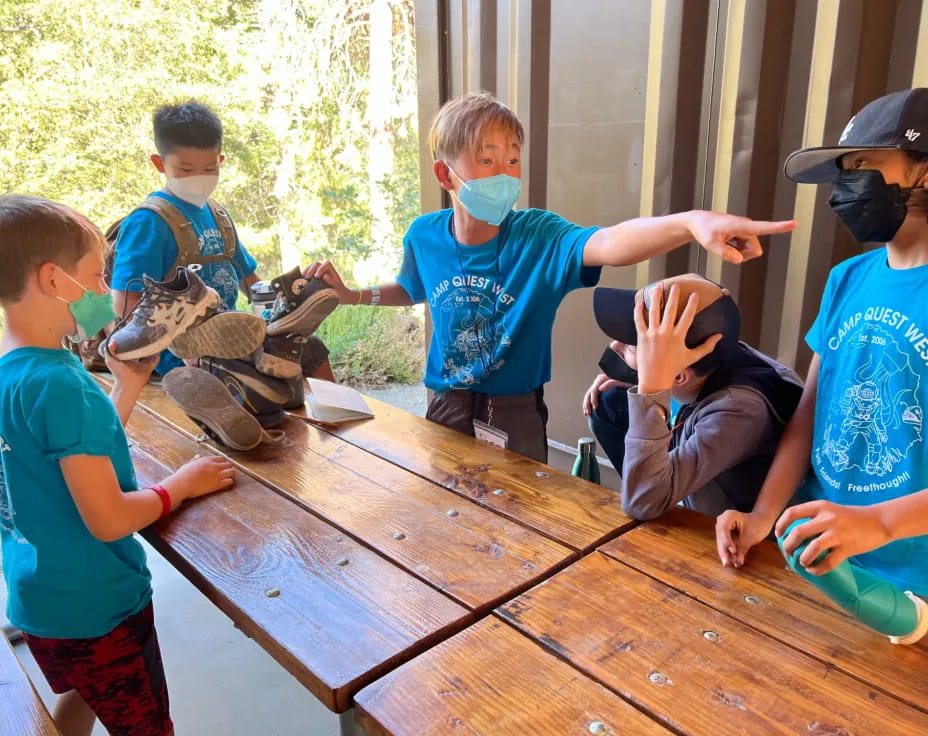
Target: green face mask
92,312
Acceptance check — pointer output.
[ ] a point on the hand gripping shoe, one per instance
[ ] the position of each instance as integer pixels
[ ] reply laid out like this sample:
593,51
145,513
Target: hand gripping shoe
301,304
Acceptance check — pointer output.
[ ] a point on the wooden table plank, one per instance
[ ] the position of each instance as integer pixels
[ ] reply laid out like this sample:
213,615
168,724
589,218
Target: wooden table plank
489,679
474,556
567,509
695,669
22,712
679,550
335,614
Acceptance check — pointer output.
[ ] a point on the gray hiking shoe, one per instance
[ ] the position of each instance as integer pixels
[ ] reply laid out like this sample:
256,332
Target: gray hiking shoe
222,335
165,310
281,355
301,304
205,399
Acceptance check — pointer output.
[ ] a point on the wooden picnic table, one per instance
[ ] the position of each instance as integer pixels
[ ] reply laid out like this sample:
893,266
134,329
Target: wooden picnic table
654,619
441,585
344,552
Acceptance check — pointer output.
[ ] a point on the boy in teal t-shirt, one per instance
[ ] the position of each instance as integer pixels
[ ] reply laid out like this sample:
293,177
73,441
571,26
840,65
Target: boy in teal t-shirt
493,277
78,584
860,422
188,139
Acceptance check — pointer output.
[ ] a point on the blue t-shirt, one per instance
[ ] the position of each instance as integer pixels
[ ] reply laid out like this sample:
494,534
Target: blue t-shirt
869,446
493,305
63,582
146,245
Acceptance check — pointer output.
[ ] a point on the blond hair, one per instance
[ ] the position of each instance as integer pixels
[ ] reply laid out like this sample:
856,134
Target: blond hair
34,231
462,122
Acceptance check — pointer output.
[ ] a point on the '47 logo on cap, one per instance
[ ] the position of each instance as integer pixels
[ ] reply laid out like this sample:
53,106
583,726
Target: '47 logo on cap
912,134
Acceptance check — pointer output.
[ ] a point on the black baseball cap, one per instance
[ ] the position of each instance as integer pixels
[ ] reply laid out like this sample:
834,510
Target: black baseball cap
614,310
895,121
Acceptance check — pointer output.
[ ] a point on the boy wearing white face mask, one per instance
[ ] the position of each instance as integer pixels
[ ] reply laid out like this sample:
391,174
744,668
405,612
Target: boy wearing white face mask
493,276
188,138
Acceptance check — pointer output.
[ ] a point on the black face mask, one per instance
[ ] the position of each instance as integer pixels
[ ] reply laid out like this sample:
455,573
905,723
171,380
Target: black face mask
870,208
614,366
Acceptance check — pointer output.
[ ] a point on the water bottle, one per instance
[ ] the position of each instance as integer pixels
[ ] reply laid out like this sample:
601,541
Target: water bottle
875,602
585,466
262,298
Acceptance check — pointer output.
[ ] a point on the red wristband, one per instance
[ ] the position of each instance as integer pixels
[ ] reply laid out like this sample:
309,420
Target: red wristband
165,500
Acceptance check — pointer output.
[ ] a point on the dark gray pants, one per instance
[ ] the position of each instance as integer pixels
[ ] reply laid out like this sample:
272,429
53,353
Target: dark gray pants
524,417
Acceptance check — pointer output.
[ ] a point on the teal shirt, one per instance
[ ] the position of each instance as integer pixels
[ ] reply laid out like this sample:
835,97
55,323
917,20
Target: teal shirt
63,582
493,305
869,445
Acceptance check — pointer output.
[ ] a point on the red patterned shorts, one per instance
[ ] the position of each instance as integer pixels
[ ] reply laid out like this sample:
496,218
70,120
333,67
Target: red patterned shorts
119,675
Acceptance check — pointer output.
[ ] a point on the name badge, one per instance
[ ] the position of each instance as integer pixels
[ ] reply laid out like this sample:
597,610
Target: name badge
492,435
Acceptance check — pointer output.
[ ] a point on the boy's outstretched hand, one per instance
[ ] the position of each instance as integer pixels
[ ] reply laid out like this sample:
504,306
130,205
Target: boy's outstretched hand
733,238
327,272
843,531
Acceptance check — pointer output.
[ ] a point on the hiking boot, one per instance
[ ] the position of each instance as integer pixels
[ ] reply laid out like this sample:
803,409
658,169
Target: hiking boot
281,355
206,400
165,310
301,304
222,335
261,395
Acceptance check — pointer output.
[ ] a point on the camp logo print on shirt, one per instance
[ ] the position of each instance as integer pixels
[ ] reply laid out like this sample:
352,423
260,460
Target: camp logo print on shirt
221,276
6,510
876,420
475,334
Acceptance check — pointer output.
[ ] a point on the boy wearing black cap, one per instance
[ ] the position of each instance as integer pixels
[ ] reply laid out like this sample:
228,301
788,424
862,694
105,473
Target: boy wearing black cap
735,401
860,419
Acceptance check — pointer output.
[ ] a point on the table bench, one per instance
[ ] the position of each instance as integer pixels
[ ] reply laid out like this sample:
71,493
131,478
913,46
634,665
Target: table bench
22,712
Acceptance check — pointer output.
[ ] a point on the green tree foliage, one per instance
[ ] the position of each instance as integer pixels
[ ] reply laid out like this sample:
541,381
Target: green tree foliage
289,79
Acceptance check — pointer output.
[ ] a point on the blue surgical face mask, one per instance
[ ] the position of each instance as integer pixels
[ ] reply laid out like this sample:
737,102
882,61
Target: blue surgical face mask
489,199
92,312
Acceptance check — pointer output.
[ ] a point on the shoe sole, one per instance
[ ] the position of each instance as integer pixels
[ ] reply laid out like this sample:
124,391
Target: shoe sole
204,398
224,335
306,318
271,365
209,301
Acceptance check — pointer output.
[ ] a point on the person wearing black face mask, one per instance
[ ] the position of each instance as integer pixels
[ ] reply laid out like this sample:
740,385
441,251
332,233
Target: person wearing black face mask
860,422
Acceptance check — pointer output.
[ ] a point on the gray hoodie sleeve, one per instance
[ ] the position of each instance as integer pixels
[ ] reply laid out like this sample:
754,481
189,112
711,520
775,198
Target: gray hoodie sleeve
724,430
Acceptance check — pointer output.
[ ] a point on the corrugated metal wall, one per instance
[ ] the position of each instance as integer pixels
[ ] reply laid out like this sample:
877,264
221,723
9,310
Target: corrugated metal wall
635,107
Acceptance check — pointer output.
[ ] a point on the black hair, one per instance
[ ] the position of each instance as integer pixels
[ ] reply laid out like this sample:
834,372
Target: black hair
188,125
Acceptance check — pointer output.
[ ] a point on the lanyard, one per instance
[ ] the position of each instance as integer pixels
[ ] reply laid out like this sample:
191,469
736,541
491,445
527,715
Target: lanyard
473,315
